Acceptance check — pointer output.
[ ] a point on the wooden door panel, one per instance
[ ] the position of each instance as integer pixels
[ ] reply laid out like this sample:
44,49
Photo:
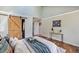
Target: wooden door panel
15,29
15,34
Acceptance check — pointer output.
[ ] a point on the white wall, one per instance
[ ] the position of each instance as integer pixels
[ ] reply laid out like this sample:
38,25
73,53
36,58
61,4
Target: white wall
70,27
36,28
3,25
45,27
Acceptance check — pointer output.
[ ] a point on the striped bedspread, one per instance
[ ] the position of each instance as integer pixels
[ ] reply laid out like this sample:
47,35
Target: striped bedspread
38,47
4,46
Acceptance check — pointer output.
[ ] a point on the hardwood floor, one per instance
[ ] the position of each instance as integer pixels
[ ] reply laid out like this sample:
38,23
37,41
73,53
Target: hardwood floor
68,47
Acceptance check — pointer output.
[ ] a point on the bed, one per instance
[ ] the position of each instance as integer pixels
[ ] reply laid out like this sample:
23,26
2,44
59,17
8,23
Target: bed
5,47
41,46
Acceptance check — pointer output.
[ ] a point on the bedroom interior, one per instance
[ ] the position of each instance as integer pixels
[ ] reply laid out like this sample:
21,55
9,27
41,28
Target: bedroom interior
39,29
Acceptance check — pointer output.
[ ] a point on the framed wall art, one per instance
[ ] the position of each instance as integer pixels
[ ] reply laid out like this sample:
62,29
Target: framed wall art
56,23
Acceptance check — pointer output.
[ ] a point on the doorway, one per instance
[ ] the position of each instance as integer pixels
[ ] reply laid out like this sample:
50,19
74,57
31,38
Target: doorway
23,28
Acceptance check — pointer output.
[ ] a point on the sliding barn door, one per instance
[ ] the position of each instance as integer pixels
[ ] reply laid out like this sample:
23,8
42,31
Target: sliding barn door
15,26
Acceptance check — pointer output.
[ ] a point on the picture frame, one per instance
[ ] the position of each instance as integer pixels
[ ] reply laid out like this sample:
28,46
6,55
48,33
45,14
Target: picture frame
56,23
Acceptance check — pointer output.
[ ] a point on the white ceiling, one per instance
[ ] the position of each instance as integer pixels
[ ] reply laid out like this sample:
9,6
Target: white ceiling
22,10
56,10
44,11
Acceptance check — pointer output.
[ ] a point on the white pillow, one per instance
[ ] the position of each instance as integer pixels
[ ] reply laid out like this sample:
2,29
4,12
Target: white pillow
13,41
